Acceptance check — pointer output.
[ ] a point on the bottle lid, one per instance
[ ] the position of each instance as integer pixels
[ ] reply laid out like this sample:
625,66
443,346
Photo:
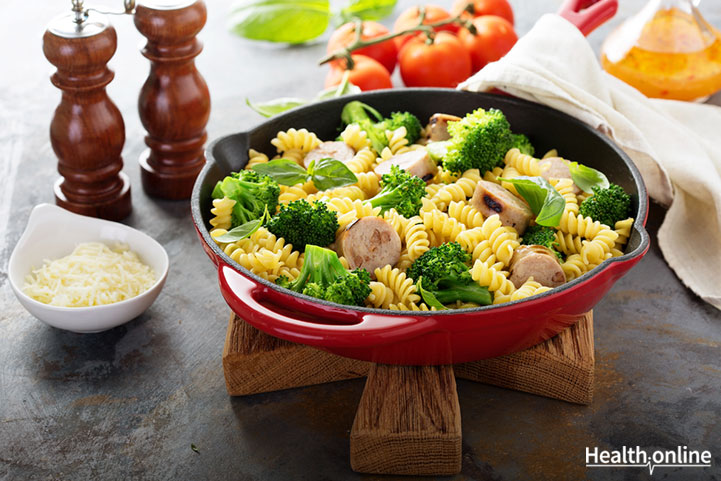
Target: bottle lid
78,24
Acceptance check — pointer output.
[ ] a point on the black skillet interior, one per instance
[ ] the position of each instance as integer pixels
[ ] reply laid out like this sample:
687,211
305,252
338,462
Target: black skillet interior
546,128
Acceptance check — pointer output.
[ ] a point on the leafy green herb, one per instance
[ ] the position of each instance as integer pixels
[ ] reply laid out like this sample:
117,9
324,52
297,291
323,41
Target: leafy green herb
325,173
282,104
245,230
283,171
428,297
194,448
586,178
545,201
328,173
367,9
287,21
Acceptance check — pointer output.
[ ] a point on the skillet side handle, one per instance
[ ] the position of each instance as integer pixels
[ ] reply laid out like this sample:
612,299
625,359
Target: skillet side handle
590,18
255,304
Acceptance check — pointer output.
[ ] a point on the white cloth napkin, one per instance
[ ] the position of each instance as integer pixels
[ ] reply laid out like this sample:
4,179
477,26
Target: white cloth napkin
676,145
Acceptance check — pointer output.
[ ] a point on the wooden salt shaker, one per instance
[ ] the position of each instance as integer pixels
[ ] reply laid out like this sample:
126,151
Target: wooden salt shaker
174,103
87,131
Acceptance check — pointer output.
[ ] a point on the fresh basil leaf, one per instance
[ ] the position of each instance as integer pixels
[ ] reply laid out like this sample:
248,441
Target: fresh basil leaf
288,21
283,171
428,297
346,88
545,201
329,173
586,177
217,191
368,9
437,150
275,106
241,232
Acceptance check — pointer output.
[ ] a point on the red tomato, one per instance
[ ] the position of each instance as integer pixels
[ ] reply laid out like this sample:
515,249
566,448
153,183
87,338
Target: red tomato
367,74
444,63
385,52
494,38
486,7
409,18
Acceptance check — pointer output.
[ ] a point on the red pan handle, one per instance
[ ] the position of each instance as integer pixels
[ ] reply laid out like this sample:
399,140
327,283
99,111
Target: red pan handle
255,303
588,15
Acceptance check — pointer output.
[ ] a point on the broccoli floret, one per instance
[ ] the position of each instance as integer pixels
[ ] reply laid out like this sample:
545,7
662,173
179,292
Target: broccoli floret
607,206
400,191
478,141
252,193
403,119
324,277
521,142
541,236
300,222
444,272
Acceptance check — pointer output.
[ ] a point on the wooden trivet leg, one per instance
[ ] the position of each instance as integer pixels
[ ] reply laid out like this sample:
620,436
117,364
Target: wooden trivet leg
408,422
560,368
255,362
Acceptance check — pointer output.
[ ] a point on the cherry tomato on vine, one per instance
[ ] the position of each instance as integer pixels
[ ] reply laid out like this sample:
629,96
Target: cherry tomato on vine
494,38
409,18
486,7
385,52
367,74
444,63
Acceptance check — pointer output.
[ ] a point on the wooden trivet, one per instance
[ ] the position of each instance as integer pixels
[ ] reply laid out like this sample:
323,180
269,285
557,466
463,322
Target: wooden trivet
409,419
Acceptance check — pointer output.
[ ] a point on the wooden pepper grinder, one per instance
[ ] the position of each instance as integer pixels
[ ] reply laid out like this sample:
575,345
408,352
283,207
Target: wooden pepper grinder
87,131
174,102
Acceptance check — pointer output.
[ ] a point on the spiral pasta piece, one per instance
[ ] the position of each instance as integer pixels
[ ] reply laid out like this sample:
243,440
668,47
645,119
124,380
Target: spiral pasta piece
403,287
574,267
416,238
595,250
509,172
577,224
368,182
550,153
459,190
355,137
411,306
296,139
255,158
222,211
352,192
445,228
381,296
565,187
525,164
470,238
492,175
296,155
397,141
404,261
397,221
528,289
444,177
623,229
264,263
568,243
291,193
466,214
492,278
362,161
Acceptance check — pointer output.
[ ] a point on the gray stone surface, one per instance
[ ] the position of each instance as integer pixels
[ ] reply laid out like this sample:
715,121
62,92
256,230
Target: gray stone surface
128,403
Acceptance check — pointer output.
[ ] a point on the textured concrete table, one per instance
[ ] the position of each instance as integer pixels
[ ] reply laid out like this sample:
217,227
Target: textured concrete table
128,403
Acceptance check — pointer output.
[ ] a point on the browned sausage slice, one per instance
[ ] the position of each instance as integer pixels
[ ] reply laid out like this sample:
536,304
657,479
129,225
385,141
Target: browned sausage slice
556,168
538,262
332,149
370,242
415,162
491,198
438,127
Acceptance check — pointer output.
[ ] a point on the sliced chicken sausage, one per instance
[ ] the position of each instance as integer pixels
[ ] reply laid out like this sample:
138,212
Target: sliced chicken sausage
370,242
491,198
415,162
438,127
556,168
538,262
334,150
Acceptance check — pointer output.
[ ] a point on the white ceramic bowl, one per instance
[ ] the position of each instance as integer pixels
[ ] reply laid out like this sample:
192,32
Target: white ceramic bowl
53,232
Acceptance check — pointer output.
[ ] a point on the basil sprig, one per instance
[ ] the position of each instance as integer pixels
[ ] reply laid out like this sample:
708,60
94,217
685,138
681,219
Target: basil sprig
298,21
245,230
325,173
280,105
545,201
586,178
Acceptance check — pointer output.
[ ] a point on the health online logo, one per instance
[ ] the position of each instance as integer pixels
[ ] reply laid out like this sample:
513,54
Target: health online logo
635,457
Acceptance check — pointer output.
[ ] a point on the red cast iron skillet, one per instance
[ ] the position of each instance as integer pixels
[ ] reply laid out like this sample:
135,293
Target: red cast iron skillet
418,338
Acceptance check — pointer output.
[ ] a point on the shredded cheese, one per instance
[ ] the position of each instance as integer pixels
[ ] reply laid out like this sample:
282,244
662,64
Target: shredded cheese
93,275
